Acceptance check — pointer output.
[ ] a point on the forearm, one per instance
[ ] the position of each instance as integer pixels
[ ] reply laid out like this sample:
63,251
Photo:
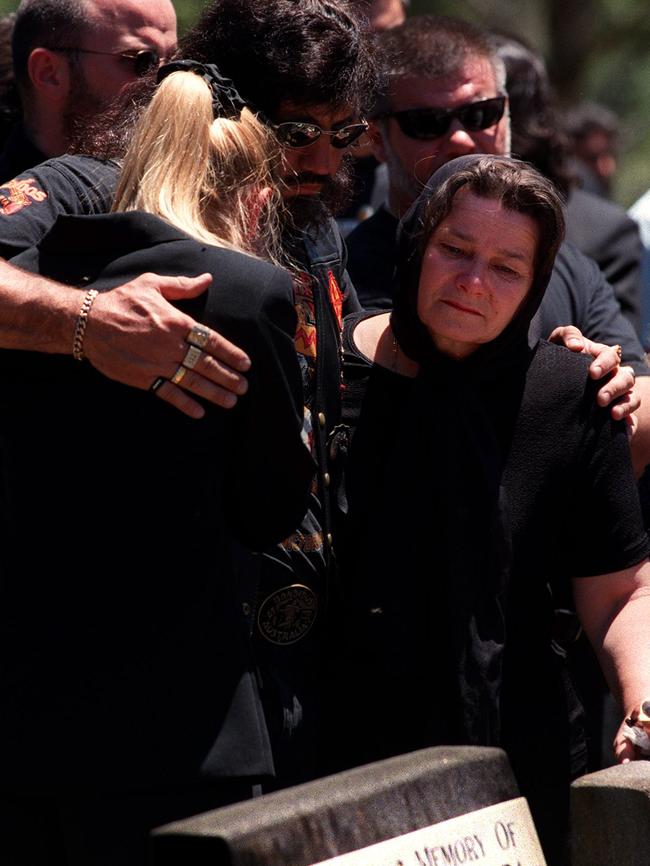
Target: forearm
35,313
640,444
616,621
133,335
624,654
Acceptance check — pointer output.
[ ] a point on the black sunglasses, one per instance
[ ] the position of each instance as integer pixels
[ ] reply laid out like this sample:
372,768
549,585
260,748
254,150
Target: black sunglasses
433,122
299,134
144,60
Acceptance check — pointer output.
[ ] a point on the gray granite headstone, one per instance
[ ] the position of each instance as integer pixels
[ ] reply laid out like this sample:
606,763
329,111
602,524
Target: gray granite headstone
610,816
349,811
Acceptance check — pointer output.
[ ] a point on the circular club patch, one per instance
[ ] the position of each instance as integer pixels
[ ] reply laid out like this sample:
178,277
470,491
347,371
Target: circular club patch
286,615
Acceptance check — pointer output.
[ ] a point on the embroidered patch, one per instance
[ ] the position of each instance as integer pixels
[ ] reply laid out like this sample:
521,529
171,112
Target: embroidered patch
336,299
288,614
303,295
18,194
304,542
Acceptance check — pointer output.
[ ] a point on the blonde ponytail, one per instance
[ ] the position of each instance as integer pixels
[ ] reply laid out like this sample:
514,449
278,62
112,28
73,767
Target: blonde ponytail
202,174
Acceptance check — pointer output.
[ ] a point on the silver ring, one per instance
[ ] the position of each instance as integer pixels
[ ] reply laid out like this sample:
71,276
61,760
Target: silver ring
178,376
198,336
191,357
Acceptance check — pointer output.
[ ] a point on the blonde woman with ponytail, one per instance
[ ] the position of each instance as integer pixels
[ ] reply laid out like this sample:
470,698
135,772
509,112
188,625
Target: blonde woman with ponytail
211,177
128,690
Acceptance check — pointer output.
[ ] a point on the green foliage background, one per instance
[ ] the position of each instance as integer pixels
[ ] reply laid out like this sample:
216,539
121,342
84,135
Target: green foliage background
595,49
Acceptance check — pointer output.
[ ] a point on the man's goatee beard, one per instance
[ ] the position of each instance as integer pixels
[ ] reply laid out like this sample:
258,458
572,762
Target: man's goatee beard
310,211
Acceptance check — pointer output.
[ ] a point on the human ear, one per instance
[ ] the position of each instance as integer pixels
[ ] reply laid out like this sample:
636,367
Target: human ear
49,73
376,141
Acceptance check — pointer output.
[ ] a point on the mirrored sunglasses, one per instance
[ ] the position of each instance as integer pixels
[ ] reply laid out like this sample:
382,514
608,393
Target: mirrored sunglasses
298,134
144,60
426,123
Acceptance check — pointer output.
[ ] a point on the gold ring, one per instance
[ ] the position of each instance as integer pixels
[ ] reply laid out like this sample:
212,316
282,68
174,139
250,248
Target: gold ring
619,352
178,376
198,336
191,357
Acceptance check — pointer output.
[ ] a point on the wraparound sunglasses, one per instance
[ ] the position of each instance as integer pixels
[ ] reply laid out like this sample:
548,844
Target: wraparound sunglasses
298,134
426,123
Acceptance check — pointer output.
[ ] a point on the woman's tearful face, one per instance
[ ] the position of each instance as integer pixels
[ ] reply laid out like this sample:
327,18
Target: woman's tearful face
477,269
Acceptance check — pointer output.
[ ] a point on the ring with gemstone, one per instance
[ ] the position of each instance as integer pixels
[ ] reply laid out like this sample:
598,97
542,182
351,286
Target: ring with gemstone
198,336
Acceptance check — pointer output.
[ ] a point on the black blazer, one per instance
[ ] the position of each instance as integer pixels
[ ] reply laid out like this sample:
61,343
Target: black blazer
604,232
125,656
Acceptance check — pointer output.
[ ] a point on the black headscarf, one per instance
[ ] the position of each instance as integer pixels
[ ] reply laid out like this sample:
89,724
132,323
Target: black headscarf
411,334
464,415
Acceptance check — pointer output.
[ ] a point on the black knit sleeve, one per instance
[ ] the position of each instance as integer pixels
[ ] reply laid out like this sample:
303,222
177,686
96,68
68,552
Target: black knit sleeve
606,533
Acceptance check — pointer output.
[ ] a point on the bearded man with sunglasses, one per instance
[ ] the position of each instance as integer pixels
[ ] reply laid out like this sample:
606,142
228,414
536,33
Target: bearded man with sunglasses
71,59
444,97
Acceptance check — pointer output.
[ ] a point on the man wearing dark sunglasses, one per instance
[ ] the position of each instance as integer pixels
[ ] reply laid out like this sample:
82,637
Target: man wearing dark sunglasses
71,59
445,97
426,121
316,139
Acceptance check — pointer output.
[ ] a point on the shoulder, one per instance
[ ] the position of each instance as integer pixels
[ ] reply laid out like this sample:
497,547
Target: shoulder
31,202
81,184
593,221
558,382
243,287
558,408
549,357
572,264
575,281
241,270
94,179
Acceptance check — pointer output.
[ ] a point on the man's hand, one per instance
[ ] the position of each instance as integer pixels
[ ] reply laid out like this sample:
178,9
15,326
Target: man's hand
134,335
620,387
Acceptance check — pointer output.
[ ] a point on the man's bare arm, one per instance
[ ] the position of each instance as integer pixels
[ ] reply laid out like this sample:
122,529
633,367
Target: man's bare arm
134,335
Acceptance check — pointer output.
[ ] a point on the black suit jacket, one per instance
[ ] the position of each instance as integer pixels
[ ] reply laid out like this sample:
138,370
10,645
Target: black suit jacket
604,232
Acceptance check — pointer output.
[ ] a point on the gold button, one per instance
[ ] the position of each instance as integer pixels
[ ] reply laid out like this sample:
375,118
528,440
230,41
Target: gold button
326,479
329,538
321,419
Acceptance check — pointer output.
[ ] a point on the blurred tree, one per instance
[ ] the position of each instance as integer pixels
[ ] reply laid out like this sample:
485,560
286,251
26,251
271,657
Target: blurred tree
595,50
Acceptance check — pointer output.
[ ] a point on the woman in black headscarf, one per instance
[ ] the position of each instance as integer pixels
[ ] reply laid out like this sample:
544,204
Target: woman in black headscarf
482,477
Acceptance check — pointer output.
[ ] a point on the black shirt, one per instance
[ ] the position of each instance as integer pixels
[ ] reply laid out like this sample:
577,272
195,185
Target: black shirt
402,694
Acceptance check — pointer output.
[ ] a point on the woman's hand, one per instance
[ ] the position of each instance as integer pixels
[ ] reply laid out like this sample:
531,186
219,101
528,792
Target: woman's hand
619,389
624,750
